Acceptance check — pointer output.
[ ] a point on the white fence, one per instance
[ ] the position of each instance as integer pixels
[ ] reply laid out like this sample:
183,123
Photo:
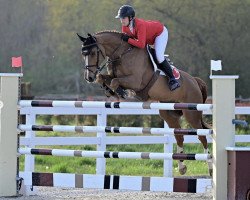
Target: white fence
223,92
101,140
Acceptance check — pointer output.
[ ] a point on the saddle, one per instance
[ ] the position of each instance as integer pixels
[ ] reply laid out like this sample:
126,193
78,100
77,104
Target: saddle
152,55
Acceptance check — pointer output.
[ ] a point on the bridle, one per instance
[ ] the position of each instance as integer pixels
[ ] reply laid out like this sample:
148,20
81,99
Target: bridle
86,51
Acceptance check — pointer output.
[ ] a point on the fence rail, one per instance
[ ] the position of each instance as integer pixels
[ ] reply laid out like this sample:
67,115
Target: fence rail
101,139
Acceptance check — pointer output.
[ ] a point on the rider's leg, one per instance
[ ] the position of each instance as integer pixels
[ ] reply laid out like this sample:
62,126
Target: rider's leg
160,46
166,68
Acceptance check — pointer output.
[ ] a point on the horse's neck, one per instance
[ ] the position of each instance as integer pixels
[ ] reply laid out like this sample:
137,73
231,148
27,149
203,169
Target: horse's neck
111,43
113,49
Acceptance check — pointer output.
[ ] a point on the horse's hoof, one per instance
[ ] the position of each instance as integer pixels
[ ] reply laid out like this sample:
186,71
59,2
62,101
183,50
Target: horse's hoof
210,167
129,93
121,92
107,94
99,78
210,172
183,170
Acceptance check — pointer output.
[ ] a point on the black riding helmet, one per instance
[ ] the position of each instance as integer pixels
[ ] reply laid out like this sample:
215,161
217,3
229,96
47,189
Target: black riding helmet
126,11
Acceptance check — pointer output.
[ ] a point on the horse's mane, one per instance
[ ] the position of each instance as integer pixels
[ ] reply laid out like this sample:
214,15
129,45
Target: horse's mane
108,31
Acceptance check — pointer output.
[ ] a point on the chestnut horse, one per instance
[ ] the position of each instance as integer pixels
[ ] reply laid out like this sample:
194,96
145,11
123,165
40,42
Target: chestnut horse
130,68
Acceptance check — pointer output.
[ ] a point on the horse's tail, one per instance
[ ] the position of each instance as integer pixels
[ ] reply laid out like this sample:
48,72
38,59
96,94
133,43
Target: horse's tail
203,88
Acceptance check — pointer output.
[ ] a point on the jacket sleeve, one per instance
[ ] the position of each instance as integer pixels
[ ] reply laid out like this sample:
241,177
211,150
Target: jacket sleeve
140,42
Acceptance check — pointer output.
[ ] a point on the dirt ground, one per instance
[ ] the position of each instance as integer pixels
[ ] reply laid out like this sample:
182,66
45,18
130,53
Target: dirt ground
49,193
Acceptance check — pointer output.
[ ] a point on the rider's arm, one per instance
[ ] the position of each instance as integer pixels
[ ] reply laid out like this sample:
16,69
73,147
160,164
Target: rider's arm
140,42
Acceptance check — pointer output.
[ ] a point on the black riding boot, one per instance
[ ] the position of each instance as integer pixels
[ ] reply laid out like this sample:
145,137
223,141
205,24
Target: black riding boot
166,68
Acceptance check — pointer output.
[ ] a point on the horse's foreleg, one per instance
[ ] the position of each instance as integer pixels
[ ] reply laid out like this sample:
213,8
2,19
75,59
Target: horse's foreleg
104,80
128,82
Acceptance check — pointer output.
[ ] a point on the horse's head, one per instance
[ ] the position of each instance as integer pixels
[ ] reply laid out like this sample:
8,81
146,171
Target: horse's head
93,55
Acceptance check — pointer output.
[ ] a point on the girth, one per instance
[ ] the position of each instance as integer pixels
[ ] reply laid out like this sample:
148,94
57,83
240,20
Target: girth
143,94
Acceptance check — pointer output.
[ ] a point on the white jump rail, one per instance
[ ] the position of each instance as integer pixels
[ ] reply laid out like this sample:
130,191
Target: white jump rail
116,105
109,129
108,154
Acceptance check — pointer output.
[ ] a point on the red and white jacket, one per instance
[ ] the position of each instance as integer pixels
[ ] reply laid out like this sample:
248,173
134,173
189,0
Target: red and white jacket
144,32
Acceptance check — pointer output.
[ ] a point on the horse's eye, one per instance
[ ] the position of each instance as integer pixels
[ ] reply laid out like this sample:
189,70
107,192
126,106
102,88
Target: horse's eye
85,53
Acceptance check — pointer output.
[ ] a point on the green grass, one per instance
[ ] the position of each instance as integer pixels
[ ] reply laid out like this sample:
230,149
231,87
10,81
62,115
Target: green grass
134,167
113,166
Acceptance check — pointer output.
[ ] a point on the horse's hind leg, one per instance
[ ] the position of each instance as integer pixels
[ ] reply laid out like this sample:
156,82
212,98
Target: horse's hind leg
172,118
194,118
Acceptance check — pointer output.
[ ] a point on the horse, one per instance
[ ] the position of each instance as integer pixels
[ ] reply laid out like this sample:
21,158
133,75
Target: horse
130,69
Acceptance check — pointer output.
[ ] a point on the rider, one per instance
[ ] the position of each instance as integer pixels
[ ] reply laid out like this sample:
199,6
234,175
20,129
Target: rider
140,32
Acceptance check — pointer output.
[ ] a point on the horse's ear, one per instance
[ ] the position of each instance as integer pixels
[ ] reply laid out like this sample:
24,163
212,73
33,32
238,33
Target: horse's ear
92,38
81,38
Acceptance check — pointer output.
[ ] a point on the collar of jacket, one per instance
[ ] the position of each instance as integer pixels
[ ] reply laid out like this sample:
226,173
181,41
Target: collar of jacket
131,23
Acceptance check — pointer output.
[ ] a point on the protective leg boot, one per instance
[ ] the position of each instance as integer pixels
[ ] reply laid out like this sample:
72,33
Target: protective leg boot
166,68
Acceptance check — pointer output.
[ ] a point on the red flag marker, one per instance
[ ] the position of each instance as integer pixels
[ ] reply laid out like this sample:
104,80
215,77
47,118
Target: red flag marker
17,61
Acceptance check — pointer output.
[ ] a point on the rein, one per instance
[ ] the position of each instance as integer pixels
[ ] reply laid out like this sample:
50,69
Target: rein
86,50
116,60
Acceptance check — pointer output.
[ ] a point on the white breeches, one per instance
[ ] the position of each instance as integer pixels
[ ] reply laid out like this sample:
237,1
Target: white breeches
160,44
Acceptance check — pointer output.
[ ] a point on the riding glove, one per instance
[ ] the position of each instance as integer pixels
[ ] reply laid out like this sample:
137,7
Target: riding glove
125,37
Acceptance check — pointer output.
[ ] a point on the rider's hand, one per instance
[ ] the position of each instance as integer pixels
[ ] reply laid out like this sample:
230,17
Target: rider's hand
125,37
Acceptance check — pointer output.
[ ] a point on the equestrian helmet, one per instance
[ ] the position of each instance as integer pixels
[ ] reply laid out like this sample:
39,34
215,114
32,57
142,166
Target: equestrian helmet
126,11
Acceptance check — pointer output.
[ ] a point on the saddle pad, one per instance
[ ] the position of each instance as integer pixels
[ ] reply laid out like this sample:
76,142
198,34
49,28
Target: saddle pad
176,72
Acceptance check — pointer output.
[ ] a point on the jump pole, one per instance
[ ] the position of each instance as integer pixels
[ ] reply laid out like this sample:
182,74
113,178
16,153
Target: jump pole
9,85
223,92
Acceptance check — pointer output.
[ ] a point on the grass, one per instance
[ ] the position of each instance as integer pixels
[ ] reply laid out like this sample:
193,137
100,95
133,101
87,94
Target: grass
135,167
